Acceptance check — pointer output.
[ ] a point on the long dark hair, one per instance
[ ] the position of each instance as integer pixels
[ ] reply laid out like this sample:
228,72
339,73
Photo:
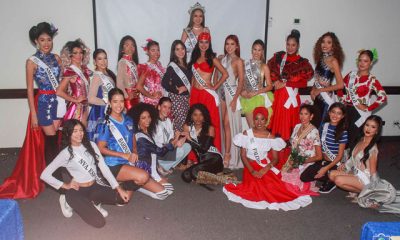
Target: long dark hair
378,120
342,125
336,47
67,131
111,93
39,29
137,111
109,72
206,115
173,57
134,56
210,55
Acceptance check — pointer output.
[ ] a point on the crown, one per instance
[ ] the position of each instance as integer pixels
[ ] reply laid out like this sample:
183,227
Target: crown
195,7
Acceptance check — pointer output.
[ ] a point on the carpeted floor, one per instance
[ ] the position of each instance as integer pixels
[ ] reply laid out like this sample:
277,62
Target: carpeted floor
193,212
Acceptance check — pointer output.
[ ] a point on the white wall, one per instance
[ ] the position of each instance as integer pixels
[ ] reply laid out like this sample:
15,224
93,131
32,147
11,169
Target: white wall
358,24
73,18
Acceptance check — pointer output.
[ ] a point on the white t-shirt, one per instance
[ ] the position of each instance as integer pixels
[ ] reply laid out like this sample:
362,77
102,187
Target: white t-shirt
75,169
164,132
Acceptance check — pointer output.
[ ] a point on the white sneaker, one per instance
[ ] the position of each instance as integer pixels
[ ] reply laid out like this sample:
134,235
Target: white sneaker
101,210
65,208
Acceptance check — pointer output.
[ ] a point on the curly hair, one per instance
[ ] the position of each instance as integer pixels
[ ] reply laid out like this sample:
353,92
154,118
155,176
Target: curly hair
66,52
336,48
39,29
206,115
67,131
137,111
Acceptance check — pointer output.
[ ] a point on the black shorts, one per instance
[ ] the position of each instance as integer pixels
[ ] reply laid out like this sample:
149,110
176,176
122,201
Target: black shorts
127,185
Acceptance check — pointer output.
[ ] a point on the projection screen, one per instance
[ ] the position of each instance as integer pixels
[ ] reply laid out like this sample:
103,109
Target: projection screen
164,21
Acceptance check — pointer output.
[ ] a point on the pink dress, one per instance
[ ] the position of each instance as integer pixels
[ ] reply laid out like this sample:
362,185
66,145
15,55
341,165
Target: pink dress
152,82
77,89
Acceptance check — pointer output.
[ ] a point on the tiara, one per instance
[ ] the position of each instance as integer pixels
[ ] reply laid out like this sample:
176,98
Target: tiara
195,7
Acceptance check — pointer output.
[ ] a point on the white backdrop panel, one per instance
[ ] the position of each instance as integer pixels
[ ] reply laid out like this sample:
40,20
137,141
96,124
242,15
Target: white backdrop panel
163,21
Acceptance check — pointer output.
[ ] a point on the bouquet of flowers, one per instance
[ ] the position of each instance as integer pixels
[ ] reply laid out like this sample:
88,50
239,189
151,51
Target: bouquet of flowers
296,159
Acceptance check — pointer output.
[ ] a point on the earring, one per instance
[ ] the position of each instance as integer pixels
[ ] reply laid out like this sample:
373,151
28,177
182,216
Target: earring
37,46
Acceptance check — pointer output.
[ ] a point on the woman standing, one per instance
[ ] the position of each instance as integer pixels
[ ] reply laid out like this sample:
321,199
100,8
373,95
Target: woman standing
203,91
262,186
230,105
127,75
196,25
359,86
86,192
289,72
257,84
200,135
176,82
102,82
151,73
306,143
329,56
75,57
44,68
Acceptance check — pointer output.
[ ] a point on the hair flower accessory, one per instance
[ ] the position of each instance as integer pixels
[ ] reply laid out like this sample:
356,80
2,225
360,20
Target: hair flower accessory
53,28
144,47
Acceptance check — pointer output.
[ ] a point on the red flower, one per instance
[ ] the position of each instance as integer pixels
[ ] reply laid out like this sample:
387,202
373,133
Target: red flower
362,91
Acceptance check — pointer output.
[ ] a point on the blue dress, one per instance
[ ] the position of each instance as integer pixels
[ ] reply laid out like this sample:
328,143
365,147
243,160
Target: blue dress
47,99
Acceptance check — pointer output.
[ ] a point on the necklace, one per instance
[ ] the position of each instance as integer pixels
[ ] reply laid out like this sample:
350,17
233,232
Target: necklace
196,28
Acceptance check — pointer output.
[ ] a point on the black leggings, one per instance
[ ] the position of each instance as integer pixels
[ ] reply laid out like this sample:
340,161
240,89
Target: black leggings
320,111
210,162
353,131
310,172
82,202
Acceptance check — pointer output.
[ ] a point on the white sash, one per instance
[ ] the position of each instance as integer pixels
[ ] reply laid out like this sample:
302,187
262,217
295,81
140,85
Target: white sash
61,106
292,92
325,148
132,68
202,83
107,84
82,76
228,87
329,100
192,37
181,75
118,137
155,68
257,155
92,172
193,135
253,83
353,97
154,173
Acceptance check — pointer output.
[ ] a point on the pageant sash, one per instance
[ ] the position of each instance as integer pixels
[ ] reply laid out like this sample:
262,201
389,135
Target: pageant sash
254,84
107,84
132,67
202,83
257,155
325,148
228,88
303,134
155,68
181,75
61,106
328,99
192,37
193,135
87,168
154,173
353,97
292,92
118,136
82,76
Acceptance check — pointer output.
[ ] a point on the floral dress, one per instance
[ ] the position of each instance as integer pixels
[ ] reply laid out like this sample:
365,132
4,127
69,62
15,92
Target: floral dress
152,83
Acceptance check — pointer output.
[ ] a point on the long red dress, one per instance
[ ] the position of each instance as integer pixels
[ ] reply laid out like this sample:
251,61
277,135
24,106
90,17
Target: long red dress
266,192
297,71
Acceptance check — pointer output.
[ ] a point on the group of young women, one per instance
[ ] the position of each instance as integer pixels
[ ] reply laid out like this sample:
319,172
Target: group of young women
128,131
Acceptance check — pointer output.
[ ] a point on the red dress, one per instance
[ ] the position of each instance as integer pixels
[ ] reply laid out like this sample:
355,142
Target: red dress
297,71
266,192
203,97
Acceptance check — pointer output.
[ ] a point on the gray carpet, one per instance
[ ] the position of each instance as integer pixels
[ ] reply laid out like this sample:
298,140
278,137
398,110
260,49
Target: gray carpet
193,212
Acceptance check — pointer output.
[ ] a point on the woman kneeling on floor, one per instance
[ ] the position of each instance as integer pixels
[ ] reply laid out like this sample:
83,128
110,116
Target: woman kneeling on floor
86,191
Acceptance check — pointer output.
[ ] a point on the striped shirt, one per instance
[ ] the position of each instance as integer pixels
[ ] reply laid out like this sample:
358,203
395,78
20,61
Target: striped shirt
330,141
